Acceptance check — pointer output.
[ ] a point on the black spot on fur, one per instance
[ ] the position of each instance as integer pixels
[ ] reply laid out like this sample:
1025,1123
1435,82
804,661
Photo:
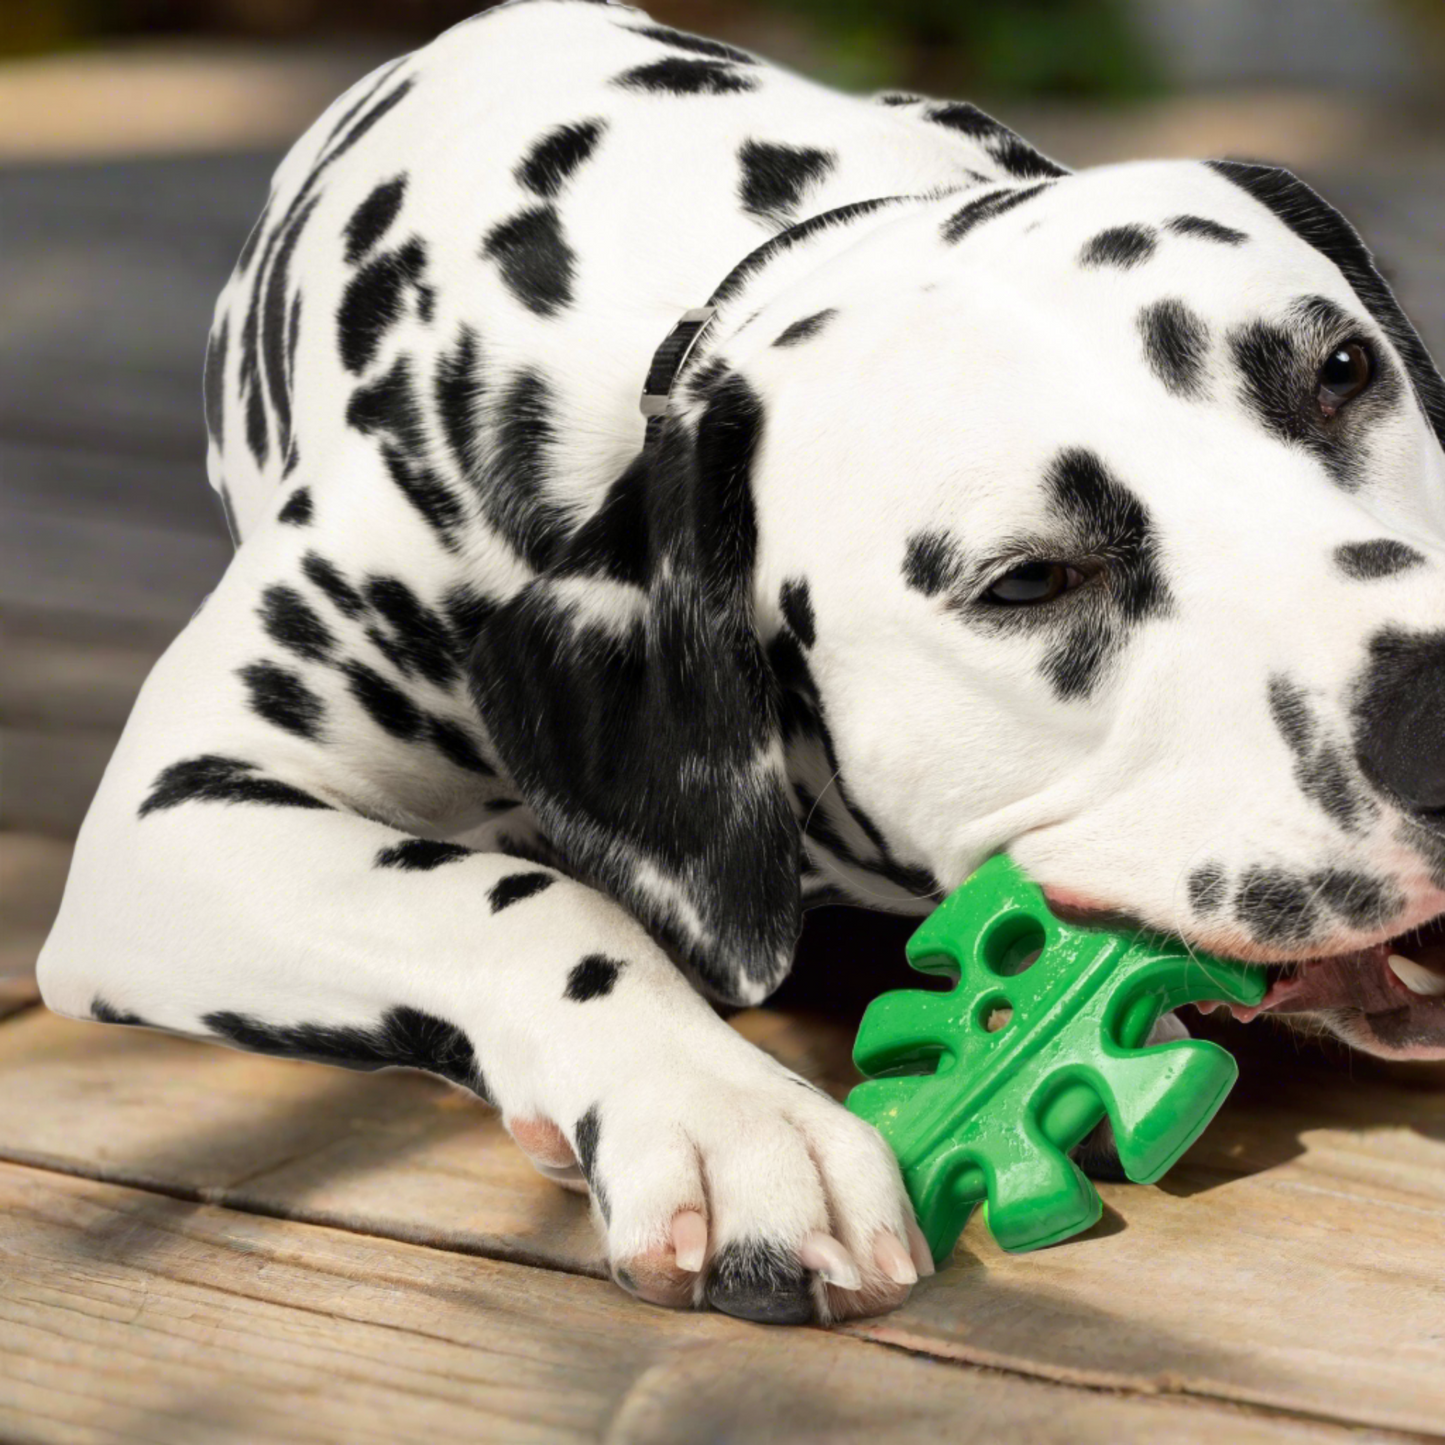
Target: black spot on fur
1290,710
546,168
1073,667
373,218
775,176
257,436
389,404
215,382
1009,150
366,121
585,1135
676,76
296,511
968,120
1107,520
796,604
1207,885
592,978
389,708
1176,343
931,562
697,44
515,499
290,620
1320,768
1022,161
402,1038
389,407
432,499
1321,226
535,260
282,698
457,746
1205,230
1113,522
274,340
1278,371
1368,561
212,779
612,542
466,610
323,574
1363,901
1275,907
421,638
420,855
1121,246
106,1013
758,1280
1327,780
375,300
985,208
517,886
805,327
459,391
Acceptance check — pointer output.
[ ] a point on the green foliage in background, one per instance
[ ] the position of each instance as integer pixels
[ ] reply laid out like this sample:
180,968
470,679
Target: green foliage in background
1056,48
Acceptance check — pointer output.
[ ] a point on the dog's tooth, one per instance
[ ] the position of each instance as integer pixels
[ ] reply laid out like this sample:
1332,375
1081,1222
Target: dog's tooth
1416,977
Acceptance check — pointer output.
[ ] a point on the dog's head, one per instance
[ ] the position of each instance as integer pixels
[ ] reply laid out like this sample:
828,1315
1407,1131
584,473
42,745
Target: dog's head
1101,519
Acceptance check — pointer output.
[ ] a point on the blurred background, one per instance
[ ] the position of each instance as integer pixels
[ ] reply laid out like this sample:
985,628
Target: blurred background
137,137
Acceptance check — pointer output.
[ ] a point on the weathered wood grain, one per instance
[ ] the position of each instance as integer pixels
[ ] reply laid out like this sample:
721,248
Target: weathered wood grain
1296,1260
32,877
126,1316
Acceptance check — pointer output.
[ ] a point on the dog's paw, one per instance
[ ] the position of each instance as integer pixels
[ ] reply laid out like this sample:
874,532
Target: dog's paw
753,1193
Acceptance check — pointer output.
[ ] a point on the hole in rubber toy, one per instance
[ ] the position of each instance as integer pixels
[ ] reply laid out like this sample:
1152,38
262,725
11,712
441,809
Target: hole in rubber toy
1013,945
995,1014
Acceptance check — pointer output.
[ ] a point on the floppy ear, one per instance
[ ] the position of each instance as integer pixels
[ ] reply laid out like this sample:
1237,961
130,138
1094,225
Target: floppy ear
628,695
1314,220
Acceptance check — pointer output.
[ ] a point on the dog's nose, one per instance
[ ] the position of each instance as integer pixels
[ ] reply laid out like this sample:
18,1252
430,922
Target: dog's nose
1400,720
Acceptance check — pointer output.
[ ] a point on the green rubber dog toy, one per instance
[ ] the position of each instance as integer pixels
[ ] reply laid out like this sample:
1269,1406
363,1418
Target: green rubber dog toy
982,1091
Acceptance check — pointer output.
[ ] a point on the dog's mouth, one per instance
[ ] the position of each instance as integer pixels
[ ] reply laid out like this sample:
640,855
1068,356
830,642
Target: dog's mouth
1391,996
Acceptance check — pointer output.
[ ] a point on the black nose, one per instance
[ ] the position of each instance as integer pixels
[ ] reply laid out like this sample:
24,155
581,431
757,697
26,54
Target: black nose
1400,719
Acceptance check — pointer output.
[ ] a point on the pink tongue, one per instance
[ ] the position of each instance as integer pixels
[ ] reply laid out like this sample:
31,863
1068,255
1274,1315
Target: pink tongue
1359,981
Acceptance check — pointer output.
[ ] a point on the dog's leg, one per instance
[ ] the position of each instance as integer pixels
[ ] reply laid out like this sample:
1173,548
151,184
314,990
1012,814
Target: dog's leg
271,924
227,884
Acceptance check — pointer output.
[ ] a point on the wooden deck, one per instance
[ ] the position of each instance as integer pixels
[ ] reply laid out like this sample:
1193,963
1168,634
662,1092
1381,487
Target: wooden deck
200,1246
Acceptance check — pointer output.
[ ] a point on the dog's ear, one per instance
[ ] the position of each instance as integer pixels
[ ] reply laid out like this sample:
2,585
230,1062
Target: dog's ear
1314,220
627,692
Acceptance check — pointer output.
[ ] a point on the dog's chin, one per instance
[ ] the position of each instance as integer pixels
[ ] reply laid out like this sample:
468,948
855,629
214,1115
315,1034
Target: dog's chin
1388,1000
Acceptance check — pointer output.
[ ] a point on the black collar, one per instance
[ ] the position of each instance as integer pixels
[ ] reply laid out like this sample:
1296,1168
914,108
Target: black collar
670,358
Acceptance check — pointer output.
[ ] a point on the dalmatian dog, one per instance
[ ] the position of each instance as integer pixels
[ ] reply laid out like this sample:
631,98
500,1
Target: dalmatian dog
670,495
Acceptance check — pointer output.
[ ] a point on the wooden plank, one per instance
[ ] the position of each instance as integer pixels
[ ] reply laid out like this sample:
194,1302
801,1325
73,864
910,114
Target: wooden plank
32,876
110,569
1295,1261
16,995
51,775
82,482
129,1316
57,674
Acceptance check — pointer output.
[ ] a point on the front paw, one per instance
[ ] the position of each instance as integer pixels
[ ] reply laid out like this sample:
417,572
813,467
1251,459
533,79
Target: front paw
758,1196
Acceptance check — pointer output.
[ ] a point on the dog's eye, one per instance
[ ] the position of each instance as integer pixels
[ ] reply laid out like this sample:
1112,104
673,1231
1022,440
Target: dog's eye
1344,376
1033,582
